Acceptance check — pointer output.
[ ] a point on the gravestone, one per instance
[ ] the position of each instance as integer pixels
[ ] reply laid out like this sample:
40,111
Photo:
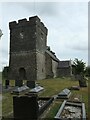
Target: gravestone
30,106
18,90
6,84
31,84
74,88
82,83
82,80
64,94
37,89
25,107
19,83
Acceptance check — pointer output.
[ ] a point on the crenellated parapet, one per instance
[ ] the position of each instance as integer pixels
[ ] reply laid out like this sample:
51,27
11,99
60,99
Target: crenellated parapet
28,40
31,22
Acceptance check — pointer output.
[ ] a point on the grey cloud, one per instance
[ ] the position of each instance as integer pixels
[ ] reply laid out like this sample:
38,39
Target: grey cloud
4,57
43,8
4,61
79,47
5,52
48,9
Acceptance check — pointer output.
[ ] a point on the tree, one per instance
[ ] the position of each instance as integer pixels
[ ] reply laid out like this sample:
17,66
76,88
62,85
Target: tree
79,66
87,71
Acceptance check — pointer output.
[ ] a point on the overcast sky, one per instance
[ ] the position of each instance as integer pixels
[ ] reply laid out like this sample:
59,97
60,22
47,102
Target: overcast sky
67,25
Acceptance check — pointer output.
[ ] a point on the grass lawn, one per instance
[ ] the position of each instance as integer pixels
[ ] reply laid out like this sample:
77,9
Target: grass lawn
0,77
52,87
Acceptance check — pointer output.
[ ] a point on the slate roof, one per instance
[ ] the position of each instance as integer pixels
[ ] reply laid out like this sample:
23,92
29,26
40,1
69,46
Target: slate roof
52,55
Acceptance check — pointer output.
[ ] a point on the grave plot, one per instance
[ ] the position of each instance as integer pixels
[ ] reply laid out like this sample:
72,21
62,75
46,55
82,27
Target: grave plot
71,110
30,106
43,103
64,94
19,90
75,98
74,88
37,89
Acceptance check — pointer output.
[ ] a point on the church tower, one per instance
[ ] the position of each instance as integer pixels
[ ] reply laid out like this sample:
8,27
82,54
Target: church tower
28,41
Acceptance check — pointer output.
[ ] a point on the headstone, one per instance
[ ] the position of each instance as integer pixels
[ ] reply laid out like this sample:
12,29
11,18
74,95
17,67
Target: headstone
18,90
82,83
82,80
6,84
64,94
74,88
31,84
25,107
37,89
19,83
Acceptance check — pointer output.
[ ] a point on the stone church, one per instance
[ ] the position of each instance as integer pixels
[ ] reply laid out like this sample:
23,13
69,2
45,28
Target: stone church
30,57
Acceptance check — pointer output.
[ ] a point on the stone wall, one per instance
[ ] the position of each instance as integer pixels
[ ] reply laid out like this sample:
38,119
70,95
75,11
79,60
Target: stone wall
64,68
41,72
27,48
27,61
30,58
65,72
22,37
48,60
54,67
41,39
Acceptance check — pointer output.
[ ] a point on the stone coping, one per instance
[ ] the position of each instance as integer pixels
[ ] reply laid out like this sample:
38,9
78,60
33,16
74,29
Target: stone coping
80,106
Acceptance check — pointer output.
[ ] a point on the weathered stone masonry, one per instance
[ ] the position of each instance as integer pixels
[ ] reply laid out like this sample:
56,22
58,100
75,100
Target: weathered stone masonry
30,58
27,49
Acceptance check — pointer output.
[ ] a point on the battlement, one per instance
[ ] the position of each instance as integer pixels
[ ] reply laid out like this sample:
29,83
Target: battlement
24,22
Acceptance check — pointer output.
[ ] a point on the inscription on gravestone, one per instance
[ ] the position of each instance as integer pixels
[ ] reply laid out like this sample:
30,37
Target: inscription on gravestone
36,89
64,93
30,106
25,107
18,90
